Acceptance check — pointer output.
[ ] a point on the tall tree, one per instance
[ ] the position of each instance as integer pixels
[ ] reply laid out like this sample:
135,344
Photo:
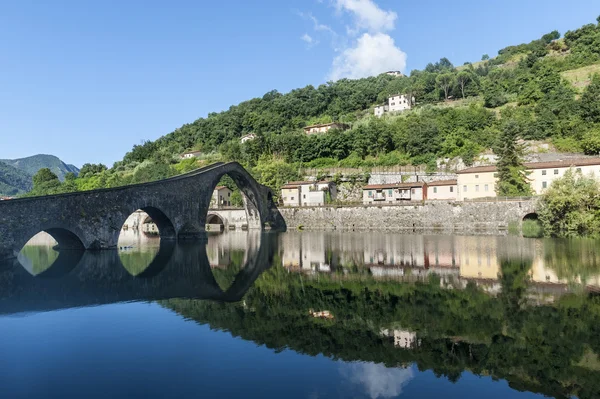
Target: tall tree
463,78
512,176
590,101
445,82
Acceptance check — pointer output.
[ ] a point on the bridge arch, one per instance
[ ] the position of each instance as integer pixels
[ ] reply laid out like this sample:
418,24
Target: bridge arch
258,199
531,216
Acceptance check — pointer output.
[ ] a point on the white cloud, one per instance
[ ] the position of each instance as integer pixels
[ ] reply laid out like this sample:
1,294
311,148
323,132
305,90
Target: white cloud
377,380
370,55
309,40
306,37
368,16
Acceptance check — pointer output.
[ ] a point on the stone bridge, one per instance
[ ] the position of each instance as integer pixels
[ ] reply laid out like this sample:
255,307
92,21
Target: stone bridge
93,219
89,278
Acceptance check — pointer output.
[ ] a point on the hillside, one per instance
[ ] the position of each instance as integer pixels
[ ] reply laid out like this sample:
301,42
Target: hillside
539,86
31,165
13,181
545,90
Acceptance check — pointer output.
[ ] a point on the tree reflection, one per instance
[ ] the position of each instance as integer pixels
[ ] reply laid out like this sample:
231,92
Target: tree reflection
549,348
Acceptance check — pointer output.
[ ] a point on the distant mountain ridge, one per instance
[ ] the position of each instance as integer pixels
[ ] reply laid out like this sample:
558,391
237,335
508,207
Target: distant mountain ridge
16,174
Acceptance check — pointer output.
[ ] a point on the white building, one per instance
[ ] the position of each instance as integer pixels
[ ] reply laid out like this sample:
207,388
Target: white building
391,193
190,154
221,197
247,137
442,190
396,74
395,103
308,193
324,127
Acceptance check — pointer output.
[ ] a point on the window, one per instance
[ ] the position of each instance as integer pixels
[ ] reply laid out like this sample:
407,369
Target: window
477,188
370,193
412,191
544,184
477,176
543,173
304,196
393,104
435,189
578,170
390,192
285,198
228,194
495,174
464,189
555,171
485,188
291,198
451,189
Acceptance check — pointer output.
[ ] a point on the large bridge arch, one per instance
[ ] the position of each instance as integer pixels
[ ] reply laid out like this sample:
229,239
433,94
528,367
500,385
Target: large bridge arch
178,205
258,199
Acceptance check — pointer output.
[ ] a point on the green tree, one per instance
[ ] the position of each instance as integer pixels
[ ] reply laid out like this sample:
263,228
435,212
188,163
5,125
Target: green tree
485,57
571,206
45,183
590,101
512,176
462,79
591,142
445,82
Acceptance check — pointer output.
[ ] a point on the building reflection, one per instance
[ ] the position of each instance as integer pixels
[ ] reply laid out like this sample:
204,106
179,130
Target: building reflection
457,260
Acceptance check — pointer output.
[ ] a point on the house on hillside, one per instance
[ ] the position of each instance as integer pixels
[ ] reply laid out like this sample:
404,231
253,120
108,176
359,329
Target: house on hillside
325,127
395,103
221,197
394,192
442,190
308,193
247,137
190,154
480,181
396,74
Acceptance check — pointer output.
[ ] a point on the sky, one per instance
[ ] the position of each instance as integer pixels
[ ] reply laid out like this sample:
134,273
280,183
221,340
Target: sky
86,80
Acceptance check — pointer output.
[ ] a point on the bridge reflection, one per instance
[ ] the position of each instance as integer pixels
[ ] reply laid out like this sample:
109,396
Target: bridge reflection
88,278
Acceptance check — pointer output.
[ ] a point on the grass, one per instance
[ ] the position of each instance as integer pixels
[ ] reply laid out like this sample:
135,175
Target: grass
580,78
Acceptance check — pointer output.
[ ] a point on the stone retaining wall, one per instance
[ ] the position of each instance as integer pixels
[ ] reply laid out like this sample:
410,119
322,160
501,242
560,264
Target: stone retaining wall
413,216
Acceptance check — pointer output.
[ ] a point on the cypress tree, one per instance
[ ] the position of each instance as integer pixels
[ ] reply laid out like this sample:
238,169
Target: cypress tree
512,176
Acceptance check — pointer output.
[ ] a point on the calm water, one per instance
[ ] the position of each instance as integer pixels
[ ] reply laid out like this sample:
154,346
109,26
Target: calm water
304,315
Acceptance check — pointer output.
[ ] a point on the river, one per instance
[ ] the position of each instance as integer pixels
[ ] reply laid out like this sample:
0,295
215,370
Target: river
303,315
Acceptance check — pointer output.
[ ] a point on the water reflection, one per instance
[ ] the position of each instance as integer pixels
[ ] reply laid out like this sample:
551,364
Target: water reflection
387,307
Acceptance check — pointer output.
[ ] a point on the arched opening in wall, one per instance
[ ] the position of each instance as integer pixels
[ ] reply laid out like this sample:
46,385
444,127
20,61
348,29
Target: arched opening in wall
236,194
214,223
53,252
532,227
141,238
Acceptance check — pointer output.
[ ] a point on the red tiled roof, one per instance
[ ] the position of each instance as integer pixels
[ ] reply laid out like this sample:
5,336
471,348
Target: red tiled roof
442,183
296,184
567,163
394,185
221,187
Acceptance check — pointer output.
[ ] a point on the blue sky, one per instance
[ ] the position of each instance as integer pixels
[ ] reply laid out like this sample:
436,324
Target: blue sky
87,80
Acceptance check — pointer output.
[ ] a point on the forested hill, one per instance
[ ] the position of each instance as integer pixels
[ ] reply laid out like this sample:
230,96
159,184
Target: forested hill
32,164
16,175
13,181
540,87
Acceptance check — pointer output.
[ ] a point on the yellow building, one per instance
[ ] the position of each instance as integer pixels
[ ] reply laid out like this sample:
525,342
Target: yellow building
480,181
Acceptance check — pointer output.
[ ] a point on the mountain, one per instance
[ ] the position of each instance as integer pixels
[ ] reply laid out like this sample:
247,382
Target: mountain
16,174
31,165
13,181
